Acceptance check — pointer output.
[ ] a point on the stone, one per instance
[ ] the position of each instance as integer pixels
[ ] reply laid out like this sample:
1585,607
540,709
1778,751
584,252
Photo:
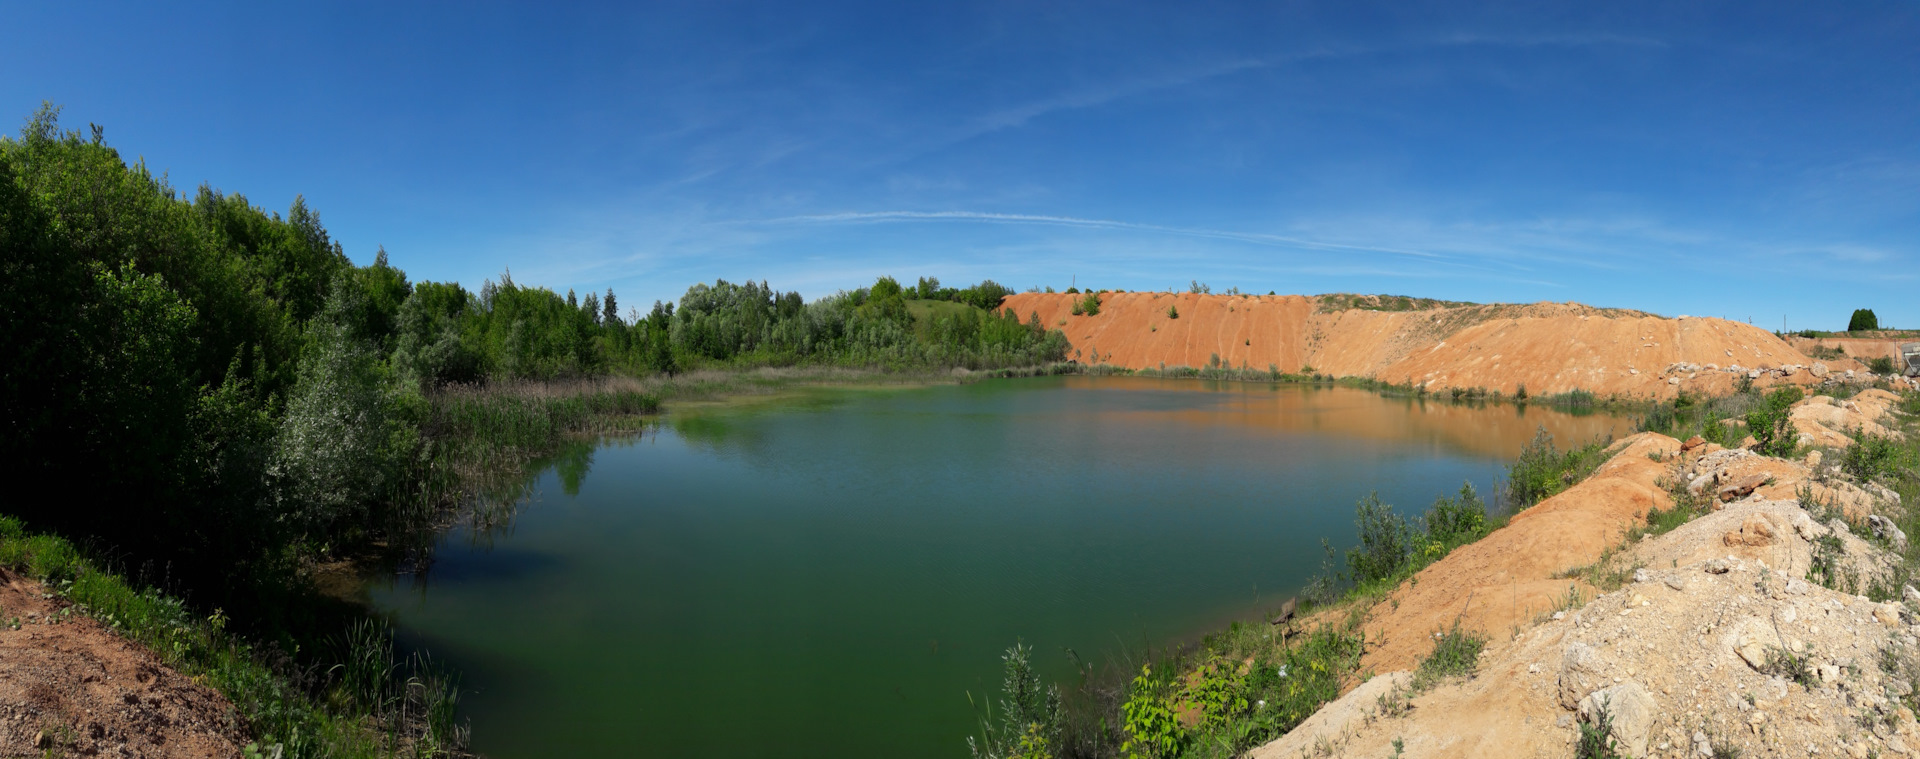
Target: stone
1580,668
1673,380
1839,525
1641,575
1753,650
1700,483
1676,582
1888,613
1819,369
1907,592
1755,531
1742,487
1630,712
1693,442
1716,566
1885,529
1813,459
1798,587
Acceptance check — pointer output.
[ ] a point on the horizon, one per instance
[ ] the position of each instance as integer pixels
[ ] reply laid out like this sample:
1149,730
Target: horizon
1749,162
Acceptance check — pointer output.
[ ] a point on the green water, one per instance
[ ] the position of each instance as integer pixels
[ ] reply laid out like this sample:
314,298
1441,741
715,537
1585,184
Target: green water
831,574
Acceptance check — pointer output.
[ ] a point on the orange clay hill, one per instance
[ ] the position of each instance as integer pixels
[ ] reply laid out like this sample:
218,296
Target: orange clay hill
1545,347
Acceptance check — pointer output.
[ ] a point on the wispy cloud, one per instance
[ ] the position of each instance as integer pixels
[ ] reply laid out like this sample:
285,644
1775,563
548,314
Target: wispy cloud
1255,238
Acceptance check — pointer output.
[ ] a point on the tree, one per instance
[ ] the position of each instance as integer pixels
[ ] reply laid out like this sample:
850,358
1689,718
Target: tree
1863,319
609,313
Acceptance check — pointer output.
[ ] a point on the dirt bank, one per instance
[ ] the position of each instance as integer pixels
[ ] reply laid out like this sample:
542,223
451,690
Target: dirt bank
69,686
1739,630
1547,347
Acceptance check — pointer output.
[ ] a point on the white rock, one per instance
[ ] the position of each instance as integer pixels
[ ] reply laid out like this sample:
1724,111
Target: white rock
1630,710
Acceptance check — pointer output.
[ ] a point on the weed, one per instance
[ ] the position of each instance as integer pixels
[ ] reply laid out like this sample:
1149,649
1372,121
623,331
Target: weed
1456,653
1787,664
1151,727
1596,740
1029,722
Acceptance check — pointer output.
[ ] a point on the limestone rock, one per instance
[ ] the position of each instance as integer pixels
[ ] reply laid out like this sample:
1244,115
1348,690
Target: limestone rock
1885,529
1580,670
1819,369
1631,711
1755,531
1742,487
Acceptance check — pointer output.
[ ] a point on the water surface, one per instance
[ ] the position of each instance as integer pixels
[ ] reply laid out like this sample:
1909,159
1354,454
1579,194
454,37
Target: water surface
830,574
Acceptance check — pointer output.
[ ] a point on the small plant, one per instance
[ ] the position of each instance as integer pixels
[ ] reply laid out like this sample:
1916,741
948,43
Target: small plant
1880,365
1152,729
1089,305
1772,426
1596,740
1029,723
1791,666
1173,312
1456,653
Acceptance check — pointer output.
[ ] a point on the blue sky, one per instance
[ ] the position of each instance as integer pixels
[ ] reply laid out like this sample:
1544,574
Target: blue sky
1749,160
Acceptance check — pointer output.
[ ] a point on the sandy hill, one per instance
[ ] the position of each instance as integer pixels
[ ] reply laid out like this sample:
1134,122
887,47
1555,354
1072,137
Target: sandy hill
1548,347
1685,654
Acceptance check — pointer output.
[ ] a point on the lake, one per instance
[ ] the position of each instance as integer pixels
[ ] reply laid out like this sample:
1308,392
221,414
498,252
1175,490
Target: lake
830,573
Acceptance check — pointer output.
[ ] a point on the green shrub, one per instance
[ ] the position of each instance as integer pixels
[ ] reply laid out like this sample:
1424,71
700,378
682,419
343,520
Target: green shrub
1543,470
1029,723
1771,425
1089,305
1880,365
1386,542
1173,312
1871,456
1152,729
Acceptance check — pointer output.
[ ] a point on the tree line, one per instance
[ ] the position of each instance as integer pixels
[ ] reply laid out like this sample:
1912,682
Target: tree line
211,391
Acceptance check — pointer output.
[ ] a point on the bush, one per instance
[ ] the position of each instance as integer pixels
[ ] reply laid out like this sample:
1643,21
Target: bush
1173,312
1880,365
1029,723
1771,425
1863,319
1089,305
1544,469
1386,542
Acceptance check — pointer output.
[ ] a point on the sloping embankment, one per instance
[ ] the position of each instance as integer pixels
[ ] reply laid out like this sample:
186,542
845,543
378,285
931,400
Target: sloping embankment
1726,638
1547,347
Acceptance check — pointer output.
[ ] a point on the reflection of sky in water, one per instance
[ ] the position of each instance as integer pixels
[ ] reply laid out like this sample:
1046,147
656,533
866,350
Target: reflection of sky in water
833,574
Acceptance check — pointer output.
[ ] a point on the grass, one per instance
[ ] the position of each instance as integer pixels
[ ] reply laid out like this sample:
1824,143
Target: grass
368,707
1456,653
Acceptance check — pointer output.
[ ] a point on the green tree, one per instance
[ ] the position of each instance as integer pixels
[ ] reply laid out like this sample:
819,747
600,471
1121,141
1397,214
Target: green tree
1863,319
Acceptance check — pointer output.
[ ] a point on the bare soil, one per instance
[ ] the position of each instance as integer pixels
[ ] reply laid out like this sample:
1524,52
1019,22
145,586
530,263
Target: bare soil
71,687
1546,347
1718,641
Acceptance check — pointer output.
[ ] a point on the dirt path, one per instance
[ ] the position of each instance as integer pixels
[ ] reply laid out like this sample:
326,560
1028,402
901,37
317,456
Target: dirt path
70,687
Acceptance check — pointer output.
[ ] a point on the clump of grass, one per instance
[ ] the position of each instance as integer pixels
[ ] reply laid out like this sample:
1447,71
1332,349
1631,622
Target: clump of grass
1792,666
1456,653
